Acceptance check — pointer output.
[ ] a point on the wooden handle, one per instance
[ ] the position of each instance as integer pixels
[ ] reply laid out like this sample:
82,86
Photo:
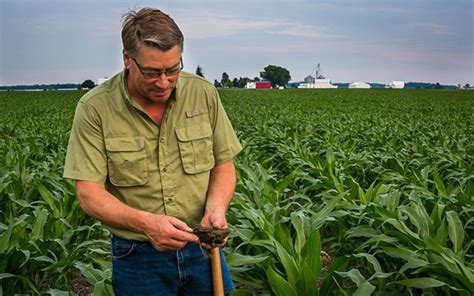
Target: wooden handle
216,272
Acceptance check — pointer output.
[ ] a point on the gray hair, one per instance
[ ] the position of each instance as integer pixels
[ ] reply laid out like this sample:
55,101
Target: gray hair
150,27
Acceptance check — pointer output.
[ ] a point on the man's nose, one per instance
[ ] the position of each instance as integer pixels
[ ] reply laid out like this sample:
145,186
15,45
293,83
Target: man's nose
162,81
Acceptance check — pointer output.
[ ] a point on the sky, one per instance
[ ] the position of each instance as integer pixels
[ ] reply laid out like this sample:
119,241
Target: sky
53,41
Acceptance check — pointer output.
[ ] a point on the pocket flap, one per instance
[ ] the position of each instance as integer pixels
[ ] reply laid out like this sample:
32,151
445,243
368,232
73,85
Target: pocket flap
194,132
125,144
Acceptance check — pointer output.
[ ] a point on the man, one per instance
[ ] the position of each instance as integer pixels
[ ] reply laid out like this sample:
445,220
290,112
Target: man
151,151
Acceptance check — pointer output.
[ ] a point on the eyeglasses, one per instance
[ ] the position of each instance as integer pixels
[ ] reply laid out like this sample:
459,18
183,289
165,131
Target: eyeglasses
157,74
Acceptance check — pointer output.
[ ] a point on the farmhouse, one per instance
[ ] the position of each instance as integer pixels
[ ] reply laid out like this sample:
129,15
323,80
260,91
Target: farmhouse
359,85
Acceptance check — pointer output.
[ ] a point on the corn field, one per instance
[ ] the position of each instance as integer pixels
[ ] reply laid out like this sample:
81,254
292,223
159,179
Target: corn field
340,192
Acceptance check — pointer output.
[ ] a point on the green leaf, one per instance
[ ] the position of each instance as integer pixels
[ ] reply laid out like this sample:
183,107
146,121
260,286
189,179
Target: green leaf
320,217
354,275
6,275
279,285
56,292
307,282
421,283
439,184
40,222
237,259
288,262
49,198
365,289
311,253
102,288
456,231
92,275
413,263
300,239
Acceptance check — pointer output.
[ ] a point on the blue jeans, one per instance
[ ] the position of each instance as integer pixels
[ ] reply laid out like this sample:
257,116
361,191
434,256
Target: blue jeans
139,269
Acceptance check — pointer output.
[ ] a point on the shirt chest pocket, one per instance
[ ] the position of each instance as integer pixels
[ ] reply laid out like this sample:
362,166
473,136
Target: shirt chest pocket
196,148
127,161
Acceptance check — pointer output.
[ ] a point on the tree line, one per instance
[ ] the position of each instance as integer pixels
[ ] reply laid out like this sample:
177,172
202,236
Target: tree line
276,75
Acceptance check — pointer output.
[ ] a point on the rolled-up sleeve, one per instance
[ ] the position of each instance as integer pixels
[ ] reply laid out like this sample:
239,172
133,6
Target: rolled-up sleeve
86,158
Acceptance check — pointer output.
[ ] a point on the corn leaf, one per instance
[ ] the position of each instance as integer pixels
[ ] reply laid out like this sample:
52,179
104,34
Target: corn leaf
421,283
456,231
279,285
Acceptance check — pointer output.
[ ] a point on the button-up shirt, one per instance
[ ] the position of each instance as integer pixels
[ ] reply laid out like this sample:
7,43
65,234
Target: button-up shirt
162,170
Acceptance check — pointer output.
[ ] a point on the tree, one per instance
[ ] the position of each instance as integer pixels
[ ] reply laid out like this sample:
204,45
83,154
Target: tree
243,81
89,84
277,75
225,81
235,82
199,71
217,83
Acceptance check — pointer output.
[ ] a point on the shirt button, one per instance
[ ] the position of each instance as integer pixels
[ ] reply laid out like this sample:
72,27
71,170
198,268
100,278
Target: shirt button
162,140
165,170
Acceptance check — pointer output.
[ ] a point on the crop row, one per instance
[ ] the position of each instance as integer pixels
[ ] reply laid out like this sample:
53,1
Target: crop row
339,192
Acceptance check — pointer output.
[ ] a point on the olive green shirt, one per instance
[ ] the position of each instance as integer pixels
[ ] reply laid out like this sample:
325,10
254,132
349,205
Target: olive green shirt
162,170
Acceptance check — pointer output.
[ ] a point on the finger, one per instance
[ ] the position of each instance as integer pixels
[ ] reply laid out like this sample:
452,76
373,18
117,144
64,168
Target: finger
180,224
184,235
184,232
171,245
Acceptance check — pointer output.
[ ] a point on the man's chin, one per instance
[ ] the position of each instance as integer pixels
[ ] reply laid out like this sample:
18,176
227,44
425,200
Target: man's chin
159,95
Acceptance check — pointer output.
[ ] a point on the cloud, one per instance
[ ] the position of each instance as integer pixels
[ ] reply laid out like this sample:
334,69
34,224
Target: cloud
207,26
435,28
306,31
201,27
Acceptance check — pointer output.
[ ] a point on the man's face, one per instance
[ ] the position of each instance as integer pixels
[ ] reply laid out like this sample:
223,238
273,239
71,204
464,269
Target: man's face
153,74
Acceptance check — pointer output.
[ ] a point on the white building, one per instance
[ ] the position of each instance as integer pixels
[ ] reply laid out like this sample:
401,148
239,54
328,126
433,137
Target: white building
397,84
359,85
251,84
318,83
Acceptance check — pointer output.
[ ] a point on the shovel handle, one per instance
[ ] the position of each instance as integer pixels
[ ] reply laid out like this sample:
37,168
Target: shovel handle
216,272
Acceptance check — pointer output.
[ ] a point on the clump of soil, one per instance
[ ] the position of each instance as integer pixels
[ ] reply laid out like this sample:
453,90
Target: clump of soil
211,235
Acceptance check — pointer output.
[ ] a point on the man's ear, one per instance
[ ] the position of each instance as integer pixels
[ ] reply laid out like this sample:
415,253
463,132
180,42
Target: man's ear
127,60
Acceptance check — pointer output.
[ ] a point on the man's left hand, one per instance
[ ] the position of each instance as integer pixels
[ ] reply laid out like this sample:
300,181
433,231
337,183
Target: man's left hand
215,219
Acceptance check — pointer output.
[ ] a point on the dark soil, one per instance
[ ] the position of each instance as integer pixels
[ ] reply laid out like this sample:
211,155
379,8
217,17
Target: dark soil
210,235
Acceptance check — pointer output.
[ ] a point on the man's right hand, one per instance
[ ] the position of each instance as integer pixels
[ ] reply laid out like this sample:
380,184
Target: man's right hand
168,233
164,232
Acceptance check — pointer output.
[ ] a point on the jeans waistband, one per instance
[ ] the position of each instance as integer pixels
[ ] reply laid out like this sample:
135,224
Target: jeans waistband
123,240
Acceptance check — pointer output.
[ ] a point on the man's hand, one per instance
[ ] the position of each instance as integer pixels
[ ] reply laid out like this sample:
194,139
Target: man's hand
214,219
167,233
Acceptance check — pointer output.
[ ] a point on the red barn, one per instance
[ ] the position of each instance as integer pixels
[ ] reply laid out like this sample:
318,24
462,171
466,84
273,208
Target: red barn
263,84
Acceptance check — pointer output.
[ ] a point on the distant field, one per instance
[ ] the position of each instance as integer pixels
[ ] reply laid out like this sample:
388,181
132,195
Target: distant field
379,182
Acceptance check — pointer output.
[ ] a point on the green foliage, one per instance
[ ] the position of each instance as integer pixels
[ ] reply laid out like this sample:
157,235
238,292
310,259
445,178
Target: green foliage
43,231
277,75
397,168
340,192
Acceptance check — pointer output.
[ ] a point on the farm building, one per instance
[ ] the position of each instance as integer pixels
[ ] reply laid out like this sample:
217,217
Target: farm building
318,83
309,79
359,85
259,84
397,84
